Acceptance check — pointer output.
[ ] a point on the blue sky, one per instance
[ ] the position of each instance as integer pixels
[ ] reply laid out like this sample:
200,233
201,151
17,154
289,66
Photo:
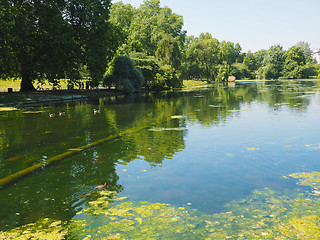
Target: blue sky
255,24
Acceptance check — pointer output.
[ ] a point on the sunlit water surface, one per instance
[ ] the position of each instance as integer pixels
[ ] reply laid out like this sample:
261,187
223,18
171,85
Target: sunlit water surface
201,148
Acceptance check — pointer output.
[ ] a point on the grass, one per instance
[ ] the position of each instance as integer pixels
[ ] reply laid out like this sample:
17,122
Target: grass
5,84
191,83
15,85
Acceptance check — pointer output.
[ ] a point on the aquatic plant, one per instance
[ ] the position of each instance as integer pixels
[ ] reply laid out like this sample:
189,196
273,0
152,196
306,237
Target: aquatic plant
43,229
266,214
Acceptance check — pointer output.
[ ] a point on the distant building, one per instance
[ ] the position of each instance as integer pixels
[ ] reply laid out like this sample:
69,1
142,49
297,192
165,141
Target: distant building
316,55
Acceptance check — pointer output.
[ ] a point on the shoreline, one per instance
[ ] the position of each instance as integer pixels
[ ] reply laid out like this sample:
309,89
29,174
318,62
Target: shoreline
42,97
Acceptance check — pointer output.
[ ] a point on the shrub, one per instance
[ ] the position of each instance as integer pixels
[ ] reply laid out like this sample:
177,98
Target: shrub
125,76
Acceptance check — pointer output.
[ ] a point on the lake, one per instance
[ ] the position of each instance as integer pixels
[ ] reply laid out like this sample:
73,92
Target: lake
199,148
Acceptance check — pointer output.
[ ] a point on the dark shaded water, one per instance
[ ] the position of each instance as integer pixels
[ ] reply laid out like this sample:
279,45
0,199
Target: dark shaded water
202,148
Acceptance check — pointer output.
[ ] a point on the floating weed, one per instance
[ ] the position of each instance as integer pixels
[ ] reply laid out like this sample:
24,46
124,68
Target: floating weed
43,229
8,109
252,149
312,147
178,117
167,129
33,112
265,214
216,106
311,179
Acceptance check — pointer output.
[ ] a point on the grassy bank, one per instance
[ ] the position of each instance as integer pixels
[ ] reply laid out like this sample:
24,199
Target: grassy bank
191,83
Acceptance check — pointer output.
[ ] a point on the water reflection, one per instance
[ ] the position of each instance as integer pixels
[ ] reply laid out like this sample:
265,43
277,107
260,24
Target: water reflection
206,133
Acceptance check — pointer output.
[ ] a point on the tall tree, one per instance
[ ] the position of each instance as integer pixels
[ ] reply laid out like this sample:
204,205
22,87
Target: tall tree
305,46
202,56
168,52
230,52
294,62
53,39
149,24
250,61
273,63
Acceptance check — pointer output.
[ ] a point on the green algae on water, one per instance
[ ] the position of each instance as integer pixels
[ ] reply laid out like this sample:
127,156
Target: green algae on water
43,229
265,214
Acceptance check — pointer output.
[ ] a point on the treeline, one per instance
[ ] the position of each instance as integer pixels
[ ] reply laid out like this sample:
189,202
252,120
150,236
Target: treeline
154,39
128,48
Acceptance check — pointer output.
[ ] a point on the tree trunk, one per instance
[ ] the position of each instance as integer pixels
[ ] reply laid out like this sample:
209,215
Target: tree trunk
26,84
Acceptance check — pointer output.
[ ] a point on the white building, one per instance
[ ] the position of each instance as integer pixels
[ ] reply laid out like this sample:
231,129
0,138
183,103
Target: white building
316,55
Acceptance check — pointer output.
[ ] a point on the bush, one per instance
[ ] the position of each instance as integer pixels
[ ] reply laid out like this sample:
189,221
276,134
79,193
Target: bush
125,76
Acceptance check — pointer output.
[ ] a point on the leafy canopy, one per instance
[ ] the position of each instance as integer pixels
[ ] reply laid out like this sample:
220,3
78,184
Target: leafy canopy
53,39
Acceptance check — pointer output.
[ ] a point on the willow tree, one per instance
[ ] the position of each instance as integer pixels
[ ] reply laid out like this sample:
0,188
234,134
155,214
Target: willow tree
53,39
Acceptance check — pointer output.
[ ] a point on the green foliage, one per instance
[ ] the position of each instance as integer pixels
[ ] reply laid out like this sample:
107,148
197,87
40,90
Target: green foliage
305,46
223,72
53,40
168,52
153,37
230,52
273,63
125,76
241,71
147,64
279,64
147,26
318,74
251,62
202,54
122,15
294,61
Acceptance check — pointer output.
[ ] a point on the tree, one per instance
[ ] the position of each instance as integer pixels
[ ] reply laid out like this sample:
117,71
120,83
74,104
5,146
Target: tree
122,15
149,24
294,61
259,56
273,63
250,61
305,46
241,71
168,52
202,56
53,39
125,76
230,52
148,65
